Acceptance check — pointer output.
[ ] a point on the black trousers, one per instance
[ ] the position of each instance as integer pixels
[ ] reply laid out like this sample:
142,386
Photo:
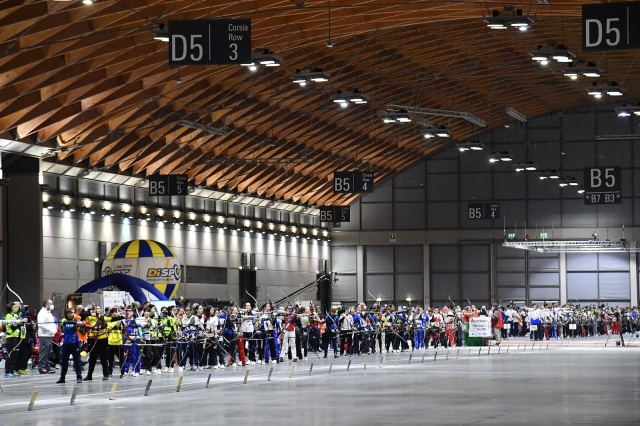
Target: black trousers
112,352
99,349
346,340
71,349
13,363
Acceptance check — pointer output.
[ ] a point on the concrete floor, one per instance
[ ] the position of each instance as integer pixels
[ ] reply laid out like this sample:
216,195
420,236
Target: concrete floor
584,383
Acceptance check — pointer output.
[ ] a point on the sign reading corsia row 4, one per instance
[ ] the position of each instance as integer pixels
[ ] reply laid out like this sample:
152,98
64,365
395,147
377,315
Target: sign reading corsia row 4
480,327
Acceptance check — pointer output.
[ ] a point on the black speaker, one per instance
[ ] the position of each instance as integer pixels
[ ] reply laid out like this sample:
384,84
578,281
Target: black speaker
248,285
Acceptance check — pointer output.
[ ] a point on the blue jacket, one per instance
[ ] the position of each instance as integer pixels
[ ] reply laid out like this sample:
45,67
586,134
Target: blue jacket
70,332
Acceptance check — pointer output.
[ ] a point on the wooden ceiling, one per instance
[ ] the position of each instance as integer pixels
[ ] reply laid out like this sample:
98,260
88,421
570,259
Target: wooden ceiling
90,82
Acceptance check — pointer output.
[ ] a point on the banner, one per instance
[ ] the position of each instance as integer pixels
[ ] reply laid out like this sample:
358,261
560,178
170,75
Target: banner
480,327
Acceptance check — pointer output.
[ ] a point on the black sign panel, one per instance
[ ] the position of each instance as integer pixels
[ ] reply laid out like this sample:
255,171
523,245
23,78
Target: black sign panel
352,182
210,42
477,211
602,185
168,185
611,26
335,214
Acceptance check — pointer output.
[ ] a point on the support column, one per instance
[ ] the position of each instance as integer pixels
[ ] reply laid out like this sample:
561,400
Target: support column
633,278
563,278
494,277
426,265
23,212
360,274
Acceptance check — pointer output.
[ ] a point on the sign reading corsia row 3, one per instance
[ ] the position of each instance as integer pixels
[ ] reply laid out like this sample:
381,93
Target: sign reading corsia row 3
480,327
210,42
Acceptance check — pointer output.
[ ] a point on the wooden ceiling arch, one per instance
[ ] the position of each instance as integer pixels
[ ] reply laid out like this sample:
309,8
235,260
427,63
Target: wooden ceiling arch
90,82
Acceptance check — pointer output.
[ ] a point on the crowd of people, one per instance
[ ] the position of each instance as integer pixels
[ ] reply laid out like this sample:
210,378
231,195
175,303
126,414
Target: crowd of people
146,339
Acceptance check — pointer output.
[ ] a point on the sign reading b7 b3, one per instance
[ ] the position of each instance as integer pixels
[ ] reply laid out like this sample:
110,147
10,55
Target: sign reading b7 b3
352,182
602,185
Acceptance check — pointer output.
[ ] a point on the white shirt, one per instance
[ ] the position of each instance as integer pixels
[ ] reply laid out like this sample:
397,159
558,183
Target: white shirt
46,323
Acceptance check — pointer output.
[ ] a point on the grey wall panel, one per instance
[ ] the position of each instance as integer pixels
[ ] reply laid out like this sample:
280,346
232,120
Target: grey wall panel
475,258
576,214
508,185
613,261
614,153
472,161
379,285
443,216
544,279
544,294
511,264
409,285
345,288
413,177
582,285
409,194
409,216
343,259
377,216
444,258
544,263
443,165
545,122
510,293
578,126
442,187
615,215
543,214
378,259
614,285
409,259
511,279
476,186
444,285
475,286
381,193
578,155
512,212
502,251
60,247
544,135
608,123
582,261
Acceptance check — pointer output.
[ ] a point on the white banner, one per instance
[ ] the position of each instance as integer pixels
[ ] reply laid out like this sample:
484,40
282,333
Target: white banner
480,327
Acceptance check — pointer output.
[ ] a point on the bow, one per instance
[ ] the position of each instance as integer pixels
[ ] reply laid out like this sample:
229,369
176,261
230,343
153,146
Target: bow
254,299
17,295
21,338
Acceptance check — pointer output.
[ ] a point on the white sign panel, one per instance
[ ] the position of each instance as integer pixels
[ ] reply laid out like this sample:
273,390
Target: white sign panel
480,327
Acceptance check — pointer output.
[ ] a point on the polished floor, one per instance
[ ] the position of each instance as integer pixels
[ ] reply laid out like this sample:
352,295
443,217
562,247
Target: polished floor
579,382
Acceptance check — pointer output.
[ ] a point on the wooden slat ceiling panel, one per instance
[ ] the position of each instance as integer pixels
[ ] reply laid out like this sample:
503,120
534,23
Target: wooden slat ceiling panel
92,82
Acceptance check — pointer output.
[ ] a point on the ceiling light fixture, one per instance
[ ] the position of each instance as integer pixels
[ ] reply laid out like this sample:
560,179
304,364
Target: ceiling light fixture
589,70
393,116
508,18
626,110
315,75
436,132
559,53
161,34
344,99
528,166
263,57
499,156
473,145
611,89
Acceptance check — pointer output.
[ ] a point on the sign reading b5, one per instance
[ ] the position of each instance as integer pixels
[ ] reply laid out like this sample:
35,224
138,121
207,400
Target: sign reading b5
611,26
